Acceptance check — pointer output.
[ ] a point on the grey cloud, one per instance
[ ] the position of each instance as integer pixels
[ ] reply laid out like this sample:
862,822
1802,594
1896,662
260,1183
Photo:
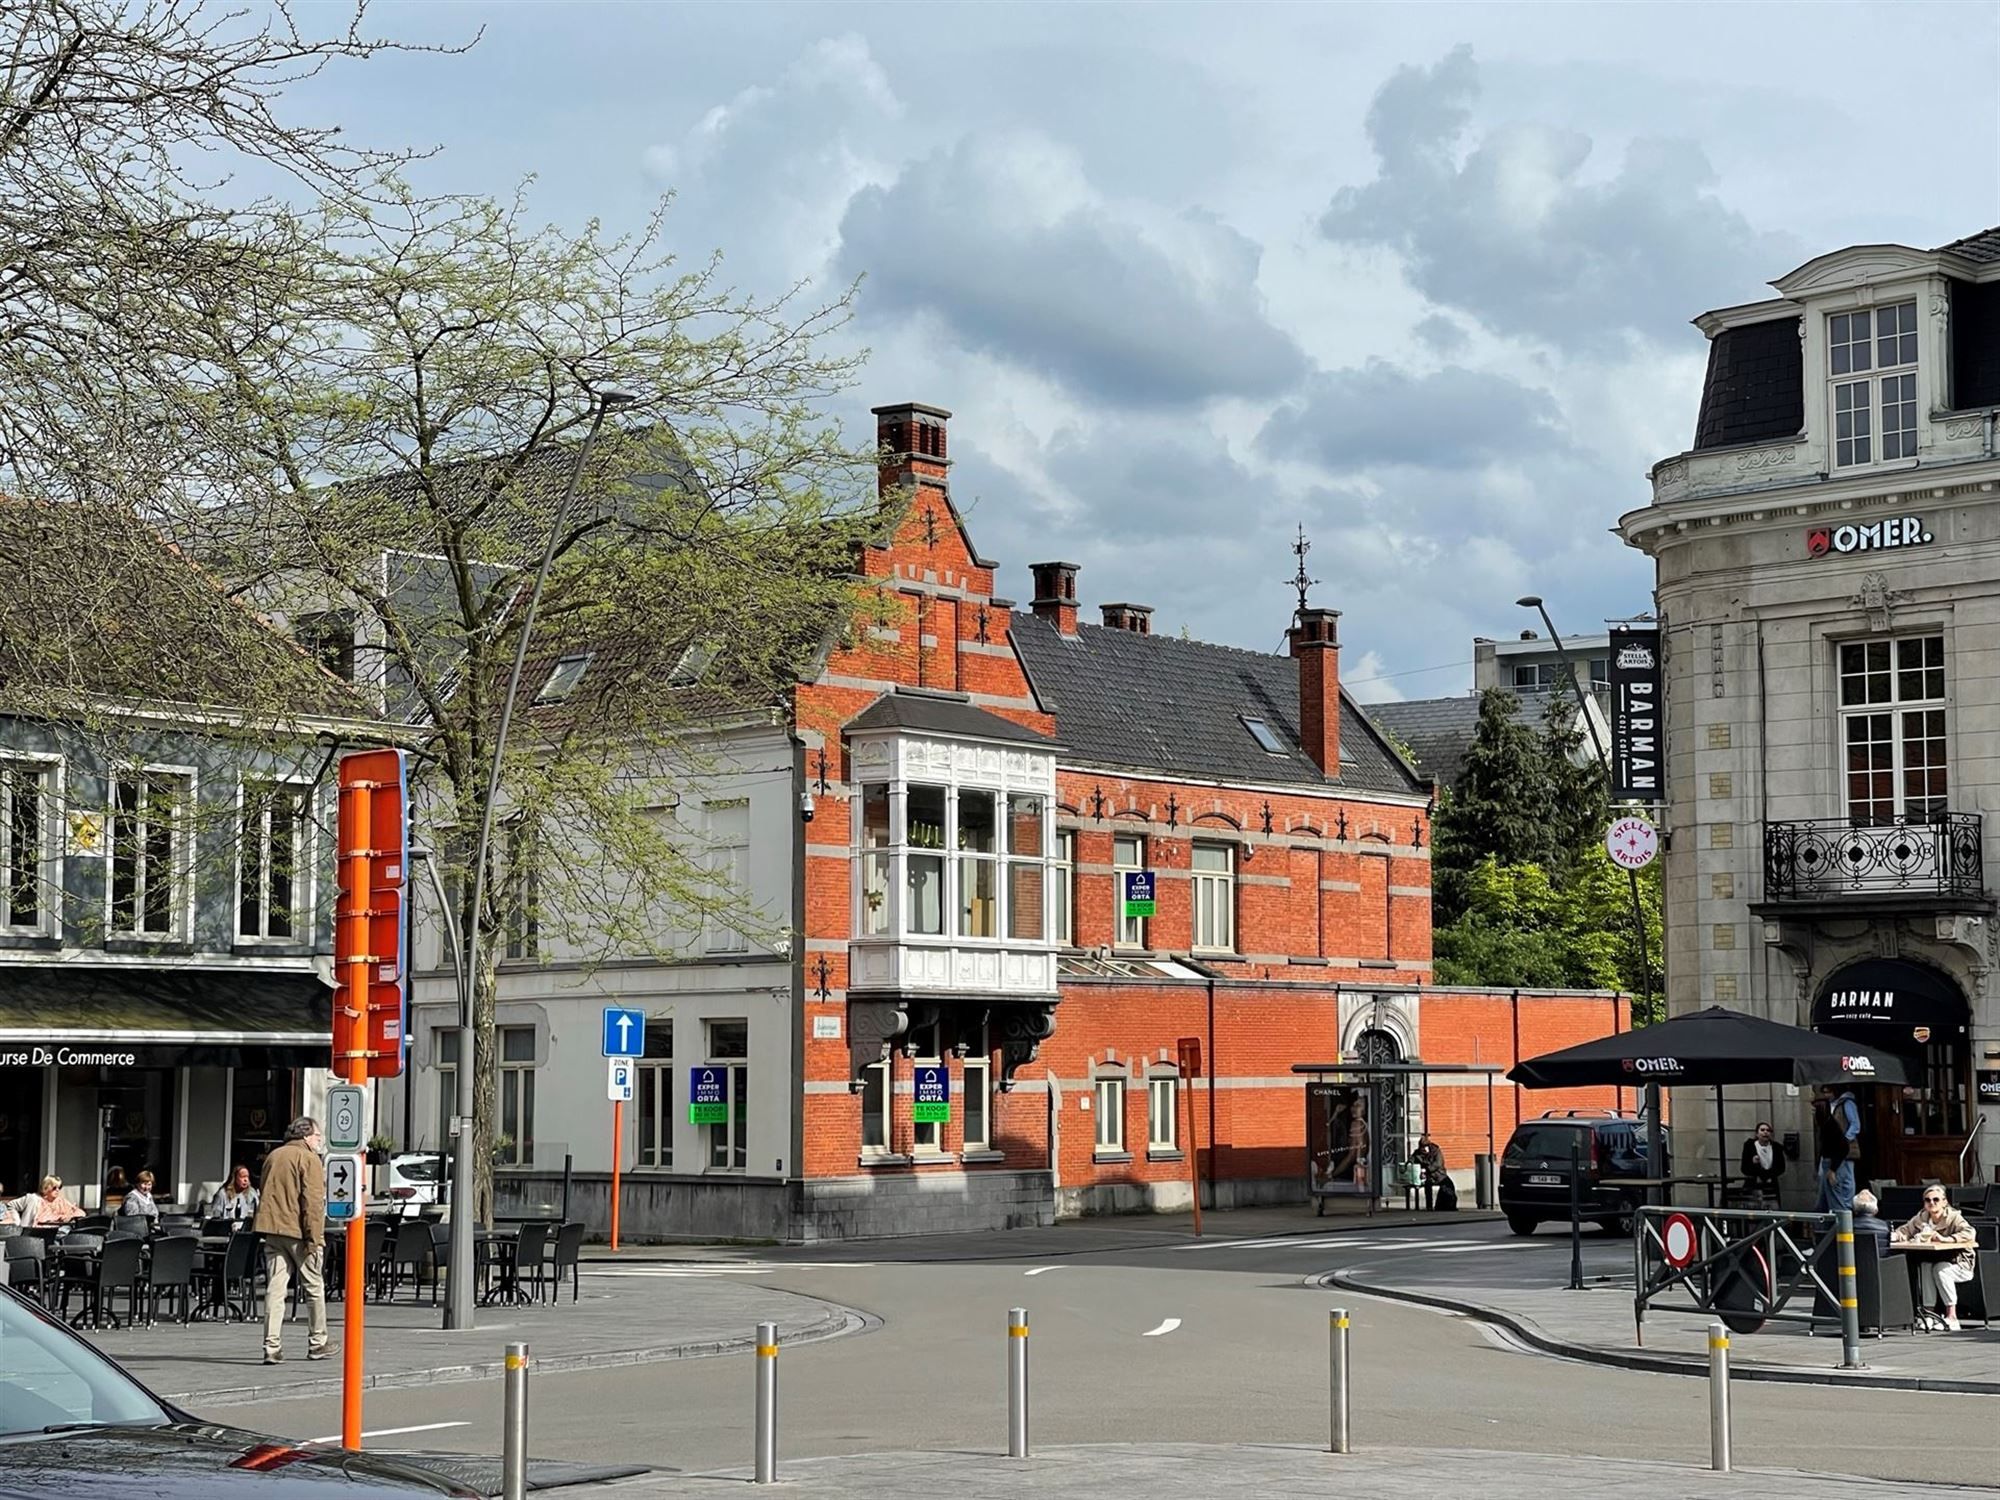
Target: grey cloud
1511,232
1019,258
1440,334
1378,414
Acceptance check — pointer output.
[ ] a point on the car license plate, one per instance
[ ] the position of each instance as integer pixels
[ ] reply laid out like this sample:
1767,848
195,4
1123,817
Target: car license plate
1544,1182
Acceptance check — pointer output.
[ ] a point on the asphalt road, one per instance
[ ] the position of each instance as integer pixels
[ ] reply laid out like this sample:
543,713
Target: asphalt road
1161,1342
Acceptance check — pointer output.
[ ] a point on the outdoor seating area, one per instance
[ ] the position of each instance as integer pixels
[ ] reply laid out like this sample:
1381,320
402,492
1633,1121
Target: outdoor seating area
98,1272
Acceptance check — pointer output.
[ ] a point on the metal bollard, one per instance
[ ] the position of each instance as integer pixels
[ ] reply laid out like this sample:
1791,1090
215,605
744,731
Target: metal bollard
1017,1382
1718,1398
514,1425
1850,1301
767,1403
1337,1377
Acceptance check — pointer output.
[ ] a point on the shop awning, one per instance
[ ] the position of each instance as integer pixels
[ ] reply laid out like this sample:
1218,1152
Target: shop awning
1899,1003
61,1015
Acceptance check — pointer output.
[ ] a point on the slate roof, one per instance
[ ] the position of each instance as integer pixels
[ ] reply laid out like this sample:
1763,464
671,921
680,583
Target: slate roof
1162,704
938,713
1983,246
1439,731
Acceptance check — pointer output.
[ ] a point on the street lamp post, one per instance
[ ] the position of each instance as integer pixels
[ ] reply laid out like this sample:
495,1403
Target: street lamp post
1653,1154
459,1304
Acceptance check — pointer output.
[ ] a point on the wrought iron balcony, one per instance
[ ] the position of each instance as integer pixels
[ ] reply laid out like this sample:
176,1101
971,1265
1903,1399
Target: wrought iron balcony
1913,861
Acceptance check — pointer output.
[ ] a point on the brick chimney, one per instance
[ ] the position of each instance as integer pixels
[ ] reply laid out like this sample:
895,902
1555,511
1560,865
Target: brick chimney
911,440
1055,594
1315,643
1137,618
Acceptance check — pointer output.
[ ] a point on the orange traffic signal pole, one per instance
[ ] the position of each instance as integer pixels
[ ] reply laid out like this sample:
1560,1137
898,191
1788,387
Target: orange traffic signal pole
352,1065
617,1161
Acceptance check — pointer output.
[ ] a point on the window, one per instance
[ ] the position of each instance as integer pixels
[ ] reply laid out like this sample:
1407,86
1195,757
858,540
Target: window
1110,1114
268,888
516,1146
329,640
563,678
928,1134
1163,1103
978,895
520,892
729,863
655,1091
876,860
1215,897
444,1047
875,1109
729,1050
925,815
978,1090
1062,880
1128,852
1873,419
147,811
694,661
1600,673
1536,677
25,829
1892,728
1027,875
1261,733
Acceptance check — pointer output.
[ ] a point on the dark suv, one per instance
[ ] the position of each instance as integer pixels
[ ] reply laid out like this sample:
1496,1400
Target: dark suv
1534,1169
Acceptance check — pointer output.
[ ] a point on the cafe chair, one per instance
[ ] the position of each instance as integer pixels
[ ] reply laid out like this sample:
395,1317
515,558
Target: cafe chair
569,1257
129,1227
26,1260
118,1266
171,1278
1980,1297
413,1252
531,1258
236,1296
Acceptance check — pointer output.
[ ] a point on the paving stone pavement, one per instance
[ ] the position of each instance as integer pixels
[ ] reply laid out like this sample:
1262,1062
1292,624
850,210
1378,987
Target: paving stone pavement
617,1321
1193,1472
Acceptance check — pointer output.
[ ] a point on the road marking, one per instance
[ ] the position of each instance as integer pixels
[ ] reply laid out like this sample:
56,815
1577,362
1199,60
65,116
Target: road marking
389,1432
1039,1269
1496,1245
1167,1327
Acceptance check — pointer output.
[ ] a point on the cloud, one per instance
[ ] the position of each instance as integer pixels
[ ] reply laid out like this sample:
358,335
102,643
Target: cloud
1379,414
1005,241
1520,228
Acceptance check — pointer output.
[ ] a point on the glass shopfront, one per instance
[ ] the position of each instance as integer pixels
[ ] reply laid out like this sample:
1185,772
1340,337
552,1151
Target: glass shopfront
1917,1130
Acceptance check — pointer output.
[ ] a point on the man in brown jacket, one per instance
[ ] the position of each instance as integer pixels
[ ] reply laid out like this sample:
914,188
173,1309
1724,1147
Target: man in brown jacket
291,1216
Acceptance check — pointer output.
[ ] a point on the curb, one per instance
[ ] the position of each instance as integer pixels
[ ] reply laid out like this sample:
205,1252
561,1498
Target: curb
839,1321
1655,1364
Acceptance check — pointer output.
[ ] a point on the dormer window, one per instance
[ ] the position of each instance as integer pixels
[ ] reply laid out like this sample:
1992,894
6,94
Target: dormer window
1872,374
694,661
563,679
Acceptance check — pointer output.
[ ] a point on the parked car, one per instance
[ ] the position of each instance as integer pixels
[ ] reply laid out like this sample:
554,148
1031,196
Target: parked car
73,1423
1535,1168
417,1177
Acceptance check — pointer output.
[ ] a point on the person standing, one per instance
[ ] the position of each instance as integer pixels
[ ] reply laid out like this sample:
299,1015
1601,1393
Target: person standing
1763,1166
1837,1127
291,1216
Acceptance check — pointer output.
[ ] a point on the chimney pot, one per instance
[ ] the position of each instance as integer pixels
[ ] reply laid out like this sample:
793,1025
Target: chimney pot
1055,594
1137,618
1315,642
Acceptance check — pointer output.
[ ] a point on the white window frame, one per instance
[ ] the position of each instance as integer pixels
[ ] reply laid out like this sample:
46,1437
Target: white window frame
1110,1136
885,1109
1163,1090
977,1084
727,1147
653,1099
517,1077
1862,392
259,839
726,826
1543,673
1898,708
927,1137
969,863
1128,932
42,866
180,872
444,1040
1214,898
520,892
1062,889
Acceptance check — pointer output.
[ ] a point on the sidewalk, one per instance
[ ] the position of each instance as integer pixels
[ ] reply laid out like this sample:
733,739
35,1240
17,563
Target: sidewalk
206,1365
1527,1294
1186,1471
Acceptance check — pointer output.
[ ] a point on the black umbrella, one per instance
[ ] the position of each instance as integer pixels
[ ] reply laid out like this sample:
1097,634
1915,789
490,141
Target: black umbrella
1710,1047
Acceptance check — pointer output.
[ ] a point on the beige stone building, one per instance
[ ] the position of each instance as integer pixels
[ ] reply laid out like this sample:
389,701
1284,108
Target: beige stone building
1828,556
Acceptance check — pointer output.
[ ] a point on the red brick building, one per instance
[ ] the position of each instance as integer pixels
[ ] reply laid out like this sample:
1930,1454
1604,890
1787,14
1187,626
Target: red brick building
982,778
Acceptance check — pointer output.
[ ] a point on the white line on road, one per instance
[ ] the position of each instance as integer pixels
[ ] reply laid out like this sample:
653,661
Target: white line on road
389,1432
1167,1327
1494,1245
1039,1269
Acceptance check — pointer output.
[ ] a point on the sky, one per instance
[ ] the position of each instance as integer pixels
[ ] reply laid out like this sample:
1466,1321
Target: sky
1416,278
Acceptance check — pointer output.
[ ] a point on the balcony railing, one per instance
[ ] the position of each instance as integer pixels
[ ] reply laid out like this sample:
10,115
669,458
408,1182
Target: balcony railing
1833,858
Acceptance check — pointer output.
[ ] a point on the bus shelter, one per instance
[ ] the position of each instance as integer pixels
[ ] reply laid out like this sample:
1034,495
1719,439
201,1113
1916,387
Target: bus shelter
1363,1120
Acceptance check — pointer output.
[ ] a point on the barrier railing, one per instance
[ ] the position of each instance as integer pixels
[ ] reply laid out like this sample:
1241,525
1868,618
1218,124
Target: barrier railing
1746,1267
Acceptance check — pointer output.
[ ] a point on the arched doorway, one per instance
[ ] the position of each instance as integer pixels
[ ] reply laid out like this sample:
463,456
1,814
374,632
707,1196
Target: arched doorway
1393,1142
1918,1013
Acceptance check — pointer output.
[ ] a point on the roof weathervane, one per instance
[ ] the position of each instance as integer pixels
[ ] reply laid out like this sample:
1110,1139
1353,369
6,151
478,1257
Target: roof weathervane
1299,580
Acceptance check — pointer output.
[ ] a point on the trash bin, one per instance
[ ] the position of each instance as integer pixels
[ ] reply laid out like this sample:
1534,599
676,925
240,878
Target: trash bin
1485,1181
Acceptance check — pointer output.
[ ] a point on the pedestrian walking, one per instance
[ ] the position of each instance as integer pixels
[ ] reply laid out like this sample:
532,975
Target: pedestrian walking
1837,1131
291,1217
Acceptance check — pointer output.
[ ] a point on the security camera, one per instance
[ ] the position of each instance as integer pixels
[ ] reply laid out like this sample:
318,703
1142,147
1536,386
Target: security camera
805,807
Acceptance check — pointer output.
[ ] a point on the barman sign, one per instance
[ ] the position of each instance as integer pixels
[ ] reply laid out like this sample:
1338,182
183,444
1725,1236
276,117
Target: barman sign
1637,720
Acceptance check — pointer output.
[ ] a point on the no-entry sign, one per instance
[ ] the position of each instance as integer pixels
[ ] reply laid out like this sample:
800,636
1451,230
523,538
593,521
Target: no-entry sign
1678,1240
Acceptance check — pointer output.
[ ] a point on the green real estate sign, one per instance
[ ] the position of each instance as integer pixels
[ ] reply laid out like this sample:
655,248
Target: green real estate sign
1138,893
707,1104
933,1096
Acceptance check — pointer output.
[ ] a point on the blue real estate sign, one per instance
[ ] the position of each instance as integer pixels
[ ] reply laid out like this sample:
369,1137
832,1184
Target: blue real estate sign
708,1104
933,1101
1138,893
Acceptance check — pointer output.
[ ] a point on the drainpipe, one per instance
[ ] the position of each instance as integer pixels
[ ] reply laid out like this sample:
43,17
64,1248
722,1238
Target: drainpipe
800,789
1212,1072
1517,1054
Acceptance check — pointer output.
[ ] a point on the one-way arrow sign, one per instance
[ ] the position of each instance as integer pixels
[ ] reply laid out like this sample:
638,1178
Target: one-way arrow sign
343,1186
624,1032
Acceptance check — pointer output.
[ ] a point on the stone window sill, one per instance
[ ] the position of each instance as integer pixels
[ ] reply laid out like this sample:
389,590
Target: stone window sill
1378,963
1112,1157
885,1159
976,1158
1158,1155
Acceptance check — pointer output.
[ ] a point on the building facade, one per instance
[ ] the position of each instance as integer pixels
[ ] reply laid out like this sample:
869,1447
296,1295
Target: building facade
1828,556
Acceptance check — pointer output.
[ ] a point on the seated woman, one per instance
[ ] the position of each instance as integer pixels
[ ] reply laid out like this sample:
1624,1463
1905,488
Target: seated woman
139,1201
46,1205
236,1200
1938,1223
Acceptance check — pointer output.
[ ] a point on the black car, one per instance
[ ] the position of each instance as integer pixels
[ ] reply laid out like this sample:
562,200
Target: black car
72,1423
1535,1167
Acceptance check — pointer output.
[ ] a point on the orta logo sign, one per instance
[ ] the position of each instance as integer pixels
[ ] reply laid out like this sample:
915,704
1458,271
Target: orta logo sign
1877,536
1653,1065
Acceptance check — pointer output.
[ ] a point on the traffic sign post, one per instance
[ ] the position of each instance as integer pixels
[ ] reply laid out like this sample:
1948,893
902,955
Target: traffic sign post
624,1039
346,1117
932,1105
343,1186
1138,893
